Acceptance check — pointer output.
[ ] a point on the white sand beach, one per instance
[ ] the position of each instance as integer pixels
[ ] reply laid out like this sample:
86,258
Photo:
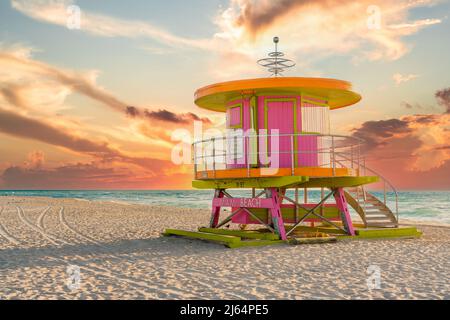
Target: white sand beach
121,255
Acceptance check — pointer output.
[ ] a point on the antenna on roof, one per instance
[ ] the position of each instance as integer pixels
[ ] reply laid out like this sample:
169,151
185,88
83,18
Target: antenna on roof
276,64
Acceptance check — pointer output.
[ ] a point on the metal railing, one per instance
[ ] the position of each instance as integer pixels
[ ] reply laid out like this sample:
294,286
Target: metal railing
278,151
294,151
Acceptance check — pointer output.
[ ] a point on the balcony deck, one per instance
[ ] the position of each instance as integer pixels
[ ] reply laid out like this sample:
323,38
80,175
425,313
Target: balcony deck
284,182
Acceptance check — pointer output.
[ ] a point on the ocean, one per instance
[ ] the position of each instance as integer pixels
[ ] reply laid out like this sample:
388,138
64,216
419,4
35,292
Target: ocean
433,206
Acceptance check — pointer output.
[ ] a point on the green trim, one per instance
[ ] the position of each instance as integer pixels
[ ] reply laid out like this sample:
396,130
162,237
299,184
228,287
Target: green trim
336,182
285,181
321,104
227,240
241,115
275,182
385,233
255,243
254,106
202,235
255,146
317,104
336,98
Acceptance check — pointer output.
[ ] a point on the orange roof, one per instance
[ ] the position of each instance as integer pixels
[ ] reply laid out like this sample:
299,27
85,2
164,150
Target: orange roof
337,92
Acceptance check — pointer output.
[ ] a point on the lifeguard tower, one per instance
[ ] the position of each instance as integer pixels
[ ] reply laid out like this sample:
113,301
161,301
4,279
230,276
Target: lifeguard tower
278,148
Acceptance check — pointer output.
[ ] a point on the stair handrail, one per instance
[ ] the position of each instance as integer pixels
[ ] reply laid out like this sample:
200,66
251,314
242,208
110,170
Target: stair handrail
384,180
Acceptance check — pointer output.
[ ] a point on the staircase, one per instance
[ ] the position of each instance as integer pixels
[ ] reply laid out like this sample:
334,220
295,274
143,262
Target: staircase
374,212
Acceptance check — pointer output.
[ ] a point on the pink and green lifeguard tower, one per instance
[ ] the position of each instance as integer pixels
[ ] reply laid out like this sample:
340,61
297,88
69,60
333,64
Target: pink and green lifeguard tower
277,148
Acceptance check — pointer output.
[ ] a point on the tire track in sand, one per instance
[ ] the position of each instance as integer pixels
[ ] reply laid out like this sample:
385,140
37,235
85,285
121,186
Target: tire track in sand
138,285
63,221
51,238
141,287
40,220
5,234
131,280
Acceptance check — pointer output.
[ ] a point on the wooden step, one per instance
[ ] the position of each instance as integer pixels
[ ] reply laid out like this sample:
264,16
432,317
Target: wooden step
382,224
384,211
377,209
375,204
378,218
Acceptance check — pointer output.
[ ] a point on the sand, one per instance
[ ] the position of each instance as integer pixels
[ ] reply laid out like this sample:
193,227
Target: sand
120,255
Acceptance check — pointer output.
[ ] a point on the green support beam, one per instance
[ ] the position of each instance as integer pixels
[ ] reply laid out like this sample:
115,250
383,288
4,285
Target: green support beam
339,182
225,239
261,182
284,182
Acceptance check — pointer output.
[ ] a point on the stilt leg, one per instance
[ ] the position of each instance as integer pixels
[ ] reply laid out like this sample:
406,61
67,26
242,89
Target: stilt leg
215,212
277,218
341,203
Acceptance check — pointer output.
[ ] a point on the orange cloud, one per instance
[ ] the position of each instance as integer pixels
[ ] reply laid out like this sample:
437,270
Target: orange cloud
23,127
245,27
89,176
35,159
412,145
315,29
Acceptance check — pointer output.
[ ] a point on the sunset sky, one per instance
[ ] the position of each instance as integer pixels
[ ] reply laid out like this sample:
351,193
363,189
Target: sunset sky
95,107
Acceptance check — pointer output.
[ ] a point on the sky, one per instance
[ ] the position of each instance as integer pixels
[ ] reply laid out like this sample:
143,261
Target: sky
94,105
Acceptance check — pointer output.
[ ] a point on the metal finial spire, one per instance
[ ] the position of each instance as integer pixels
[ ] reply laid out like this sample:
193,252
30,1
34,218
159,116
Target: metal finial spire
275,64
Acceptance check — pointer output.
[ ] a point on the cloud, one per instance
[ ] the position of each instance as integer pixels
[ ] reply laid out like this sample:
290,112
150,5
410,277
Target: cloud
35,159
27,128
55,12
443,97
93,175
399,78
30,84
132,111
13,94
416,24
25,82
19,126
255,16
168,116
376,132
64,177
90,176
411,144
311,30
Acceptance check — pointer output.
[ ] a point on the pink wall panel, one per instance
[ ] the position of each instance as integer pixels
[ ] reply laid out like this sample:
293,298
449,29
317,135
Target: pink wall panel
280,115
234,116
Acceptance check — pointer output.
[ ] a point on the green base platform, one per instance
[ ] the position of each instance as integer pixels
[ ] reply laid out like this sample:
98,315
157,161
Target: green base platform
261,237
229,238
